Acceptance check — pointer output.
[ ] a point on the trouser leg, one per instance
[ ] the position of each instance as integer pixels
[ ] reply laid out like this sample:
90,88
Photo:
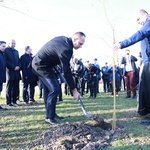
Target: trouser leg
9,87
25,92
51,91
31,91
128,90
132,83
15,92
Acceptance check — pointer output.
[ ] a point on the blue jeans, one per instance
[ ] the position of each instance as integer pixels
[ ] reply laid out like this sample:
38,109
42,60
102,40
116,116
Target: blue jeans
51,91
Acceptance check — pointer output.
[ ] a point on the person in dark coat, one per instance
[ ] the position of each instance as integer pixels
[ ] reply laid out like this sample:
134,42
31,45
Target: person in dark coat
2,67
130,73
13,74
59,50
142,35
117,79
95,62
77,69
106,77
28,77
92,71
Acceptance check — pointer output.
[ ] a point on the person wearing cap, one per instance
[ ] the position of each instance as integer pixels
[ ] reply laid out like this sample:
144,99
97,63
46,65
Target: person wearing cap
143,35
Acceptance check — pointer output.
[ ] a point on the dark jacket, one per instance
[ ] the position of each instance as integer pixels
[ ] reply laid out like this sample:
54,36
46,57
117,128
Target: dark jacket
142,35
133,60
118,74
57,51
12,60
27,74
105,73
2,68
90,72
99,74
80,69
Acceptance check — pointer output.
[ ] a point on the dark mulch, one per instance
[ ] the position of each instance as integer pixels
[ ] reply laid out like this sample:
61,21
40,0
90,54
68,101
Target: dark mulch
79,136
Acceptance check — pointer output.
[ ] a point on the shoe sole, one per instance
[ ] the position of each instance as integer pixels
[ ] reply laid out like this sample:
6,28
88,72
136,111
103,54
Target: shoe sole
51,123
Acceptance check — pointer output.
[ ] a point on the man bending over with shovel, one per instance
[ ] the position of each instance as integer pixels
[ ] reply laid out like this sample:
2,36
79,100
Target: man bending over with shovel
59,50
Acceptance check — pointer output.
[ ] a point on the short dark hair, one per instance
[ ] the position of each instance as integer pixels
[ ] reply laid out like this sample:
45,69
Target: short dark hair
80,33
27,47
1,42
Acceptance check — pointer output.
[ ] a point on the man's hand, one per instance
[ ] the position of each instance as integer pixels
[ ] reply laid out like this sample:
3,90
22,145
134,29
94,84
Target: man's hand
117,46
76,94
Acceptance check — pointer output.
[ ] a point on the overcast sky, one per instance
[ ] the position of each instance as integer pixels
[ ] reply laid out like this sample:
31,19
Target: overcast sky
34,22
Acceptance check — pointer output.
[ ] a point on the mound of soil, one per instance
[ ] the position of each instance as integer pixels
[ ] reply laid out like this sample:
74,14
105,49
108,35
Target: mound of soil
71,136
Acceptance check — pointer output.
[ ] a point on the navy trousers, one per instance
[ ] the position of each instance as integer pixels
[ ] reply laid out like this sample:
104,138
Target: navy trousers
51,91
28,91
12,91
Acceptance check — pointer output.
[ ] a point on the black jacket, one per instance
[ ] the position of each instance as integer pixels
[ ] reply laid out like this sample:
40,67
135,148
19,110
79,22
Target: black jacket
105,73
133,60
2,68
57,51
27,74
12,60
90,72
80,69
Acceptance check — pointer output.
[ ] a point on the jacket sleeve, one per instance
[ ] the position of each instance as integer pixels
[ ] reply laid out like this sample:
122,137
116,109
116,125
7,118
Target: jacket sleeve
97,70
123,60
138,36
133,58
9,65
65,62
81,68
23,66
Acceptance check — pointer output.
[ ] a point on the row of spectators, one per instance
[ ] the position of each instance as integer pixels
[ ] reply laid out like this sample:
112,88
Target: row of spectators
86,76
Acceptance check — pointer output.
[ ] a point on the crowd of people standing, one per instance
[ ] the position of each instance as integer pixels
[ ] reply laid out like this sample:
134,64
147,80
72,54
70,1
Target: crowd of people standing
87,76
14,68
80,79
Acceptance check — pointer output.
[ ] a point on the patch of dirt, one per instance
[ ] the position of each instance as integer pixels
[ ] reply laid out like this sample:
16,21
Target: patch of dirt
79,136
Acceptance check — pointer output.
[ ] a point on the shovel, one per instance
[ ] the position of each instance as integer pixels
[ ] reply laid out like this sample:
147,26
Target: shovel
84,110
100,121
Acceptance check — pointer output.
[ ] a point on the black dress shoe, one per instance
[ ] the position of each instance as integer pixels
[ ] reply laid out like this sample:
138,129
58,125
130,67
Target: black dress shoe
134,96
147,122
10,105
128,96
94,97
1,108
58,117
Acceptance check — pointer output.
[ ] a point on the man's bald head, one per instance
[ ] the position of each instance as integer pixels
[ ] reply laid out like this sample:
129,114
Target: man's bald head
78,40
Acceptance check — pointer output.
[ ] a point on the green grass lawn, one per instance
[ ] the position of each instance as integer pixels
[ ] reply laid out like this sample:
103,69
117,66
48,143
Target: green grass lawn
22,124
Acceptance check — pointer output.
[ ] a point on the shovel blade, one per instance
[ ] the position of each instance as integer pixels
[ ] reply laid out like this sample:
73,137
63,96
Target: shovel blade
84,110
